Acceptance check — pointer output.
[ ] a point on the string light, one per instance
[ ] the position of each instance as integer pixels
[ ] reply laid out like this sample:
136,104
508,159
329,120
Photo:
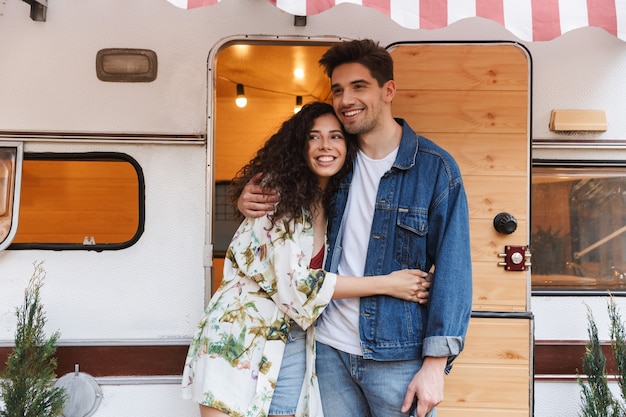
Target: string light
241,101
298,106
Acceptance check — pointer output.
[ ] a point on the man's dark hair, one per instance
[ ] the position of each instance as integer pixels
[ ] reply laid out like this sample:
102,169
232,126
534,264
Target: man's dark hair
365,52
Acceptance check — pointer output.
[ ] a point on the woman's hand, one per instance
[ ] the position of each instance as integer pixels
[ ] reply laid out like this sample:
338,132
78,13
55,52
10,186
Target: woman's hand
408,284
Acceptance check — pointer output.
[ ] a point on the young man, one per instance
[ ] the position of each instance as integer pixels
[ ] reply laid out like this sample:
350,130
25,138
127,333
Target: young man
403,206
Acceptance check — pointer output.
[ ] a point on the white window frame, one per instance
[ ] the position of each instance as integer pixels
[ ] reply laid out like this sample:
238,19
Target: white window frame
17,186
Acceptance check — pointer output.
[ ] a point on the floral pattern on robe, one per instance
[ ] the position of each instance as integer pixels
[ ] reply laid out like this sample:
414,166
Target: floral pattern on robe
235,355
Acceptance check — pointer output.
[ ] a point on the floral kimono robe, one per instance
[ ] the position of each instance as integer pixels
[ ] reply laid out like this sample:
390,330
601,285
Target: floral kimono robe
236,353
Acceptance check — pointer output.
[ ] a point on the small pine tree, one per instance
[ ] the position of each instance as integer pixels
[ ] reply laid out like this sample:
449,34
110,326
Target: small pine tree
26,386
597,398
618,345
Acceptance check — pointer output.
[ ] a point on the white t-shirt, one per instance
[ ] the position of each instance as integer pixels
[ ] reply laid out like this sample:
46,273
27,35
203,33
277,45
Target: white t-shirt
338,326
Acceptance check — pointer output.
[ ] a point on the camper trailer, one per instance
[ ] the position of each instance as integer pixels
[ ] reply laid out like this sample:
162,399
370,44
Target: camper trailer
119,134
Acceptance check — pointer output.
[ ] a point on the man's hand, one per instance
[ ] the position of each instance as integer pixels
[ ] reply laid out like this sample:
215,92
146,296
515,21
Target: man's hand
256,200
426,386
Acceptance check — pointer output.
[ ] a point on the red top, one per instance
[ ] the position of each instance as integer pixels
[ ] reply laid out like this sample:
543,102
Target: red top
317,260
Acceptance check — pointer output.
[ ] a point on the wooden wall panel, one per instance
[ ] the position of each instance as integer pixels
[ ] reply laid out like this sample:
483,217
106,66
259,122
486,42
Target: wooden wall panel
480,153
462,67
490,195
491,375
473,100
466,111
487,243
498,290
497,341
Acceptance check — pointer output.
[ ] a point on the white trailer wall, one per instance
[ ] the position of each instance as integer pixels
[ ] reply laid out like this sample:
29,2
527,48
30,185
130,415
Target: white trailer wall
155,289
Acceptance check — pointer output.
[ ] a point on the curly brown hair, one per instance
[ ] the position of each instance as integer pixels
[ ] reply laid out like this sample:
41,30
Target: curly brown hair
283,162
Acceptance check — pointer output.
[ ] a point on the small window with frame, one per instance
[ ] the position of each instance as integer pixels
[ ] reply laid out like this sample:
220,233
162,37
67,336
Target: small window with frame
10,178
80,201
578,239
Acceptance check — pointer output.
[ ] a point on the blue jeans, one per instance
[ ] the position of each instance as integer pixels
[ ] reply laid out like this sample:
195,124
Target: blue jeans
355,387
291,374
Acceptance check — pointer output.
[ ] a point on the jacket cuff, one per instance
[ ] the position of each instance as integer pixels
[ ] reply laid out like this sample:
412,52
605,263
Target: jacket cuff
439,346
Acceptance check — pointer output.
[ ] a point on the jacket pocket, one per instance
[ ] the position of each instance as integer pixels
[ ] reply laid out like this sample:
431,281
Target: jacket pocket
410,242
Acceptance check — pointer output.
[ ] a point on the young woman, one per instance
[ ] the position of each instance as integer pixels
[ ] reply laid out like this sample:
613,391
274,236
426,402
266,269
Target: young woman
259,321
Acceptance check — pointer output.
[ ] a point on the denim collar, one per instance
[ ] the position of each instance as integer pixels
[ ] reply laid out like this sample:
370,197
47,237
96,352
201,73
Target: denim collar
407,153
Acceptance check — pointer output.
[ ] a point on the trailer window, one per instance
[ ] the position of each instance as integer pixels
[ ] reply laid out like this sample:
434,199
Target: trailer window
91,201
10,168
578,239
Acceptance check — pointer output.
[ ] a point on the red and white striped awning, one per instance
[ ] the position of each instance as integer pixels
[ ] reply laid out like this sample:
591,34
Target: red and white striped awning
529,20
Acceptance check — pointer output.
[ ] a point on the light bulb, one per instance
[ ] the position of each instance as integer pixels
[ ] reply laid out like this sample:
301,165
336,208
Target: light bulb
298,105
241,101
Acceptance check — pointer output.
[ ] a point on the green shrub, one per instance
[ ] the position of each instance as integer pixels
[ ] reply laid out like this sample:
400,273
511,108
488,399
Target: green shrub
26,388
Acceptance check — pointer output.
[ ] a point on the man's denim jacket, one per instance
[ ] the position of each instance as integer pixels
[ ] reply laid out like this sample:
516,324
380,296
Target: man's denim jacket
420,221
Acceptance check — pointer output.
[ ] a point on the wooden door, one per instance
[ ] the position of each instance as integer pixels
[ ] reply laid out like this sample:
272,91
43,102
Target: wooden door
473,100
